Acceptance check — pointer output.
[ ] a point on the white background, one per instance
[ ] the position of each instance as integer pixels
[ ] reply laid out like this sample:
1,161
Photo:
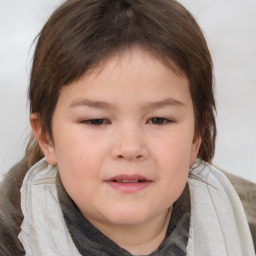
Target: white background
230,29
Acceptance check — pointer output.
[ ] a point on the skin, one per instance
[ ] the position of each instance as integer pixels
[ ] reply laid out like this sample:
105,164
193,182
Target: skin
144,126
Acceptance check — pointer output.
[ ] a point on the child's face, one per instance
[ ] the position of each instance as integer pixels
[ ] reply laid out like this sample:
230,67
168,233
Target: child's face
124,140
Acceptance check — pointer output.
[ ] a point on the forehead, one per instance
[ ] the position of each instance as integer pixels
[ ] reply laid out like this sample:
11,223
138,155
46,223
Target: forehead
135,55
132,74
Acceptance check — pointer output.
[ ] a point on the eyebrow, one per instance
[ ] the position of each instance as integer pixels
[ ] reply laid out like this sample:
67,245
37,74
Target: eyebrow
89,103
164,103
148,106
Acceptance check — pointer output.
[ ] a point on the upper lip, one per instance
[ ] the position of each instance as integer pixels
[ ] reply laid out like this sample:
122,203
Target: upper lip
128,178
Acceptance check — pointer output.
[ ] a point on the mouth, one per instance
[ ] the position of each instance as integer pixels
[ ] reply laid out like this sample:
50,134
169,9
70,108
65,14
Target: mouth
129,183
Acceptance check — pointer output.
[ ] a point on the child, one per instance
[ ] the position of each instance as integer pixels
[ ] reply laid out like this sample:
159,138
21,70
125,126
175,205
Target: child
121,101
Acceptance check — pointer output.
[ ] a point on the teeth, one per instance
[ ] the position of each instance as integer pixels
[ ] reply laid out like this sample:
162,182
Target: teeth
129,181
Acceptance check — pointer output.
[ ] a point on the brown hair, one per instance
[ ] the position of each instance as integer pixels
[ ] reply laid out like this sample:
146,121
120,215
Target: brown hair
81,34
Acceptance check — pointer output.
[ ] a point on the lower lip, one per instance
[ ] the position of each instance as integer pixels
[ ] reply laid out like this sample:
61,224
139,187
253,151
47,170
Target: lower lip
129,187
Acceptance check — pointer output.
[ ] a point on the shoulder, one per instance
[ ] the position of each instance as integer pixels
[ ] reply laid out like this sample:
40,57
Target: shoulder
217,206
236,189
246,191
10,210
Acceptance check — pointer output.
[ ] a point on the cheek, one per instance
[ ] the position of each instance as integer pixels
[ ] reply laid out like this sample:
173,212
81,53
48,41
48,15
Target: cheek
80,168
174,150
80,163
174,171
76,147
172,157
80,159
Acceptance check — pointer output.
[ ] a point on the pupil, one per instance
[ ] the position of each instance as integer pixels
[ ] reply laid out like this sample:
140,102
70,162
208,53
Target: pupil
96,121
157,120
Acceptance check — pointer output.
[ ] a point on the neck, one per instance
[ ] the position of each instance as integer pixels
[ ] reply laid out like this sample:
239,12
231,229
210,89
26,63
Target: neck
140,239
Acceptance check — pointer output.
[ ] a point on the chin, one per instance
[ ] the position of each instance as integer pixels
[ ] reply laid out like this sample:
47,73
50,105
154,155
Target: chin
129,218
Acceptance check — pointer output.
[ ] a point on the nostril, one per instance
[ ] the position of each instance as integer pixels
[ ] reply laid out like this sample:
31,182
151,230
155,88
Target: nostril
136,157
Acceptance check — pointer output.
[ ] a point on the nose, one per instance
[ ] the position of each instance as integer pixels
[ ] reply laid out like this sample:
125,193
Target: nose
130,145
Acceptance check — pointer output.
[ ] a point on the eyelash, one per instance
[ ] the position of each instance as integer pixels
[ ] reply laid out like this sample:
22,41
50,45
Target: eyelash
96,121
101,121
163,121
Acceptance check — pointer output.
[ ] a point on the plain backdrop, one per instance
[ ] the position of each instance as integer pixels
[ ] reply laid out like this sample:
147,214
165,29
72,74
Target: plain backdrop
230,29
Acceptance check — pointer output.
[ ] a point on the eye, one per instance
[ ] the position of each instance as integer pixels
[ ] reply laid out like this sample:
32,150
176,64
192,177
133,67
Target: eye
96,122
159,121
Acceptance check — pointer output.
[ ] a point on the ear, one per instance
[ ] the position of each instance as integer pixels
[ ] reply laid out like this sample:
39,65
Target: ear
44,141
194,149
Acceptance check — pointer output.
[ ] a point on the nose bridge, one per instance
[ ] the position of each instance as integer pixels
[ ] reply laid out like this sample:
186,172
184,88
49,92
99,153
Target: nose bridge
130,142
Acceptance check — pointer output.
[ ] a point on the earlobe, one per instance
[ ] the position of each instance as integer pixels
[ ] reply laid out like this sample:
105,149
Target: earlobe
194,149
44,141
